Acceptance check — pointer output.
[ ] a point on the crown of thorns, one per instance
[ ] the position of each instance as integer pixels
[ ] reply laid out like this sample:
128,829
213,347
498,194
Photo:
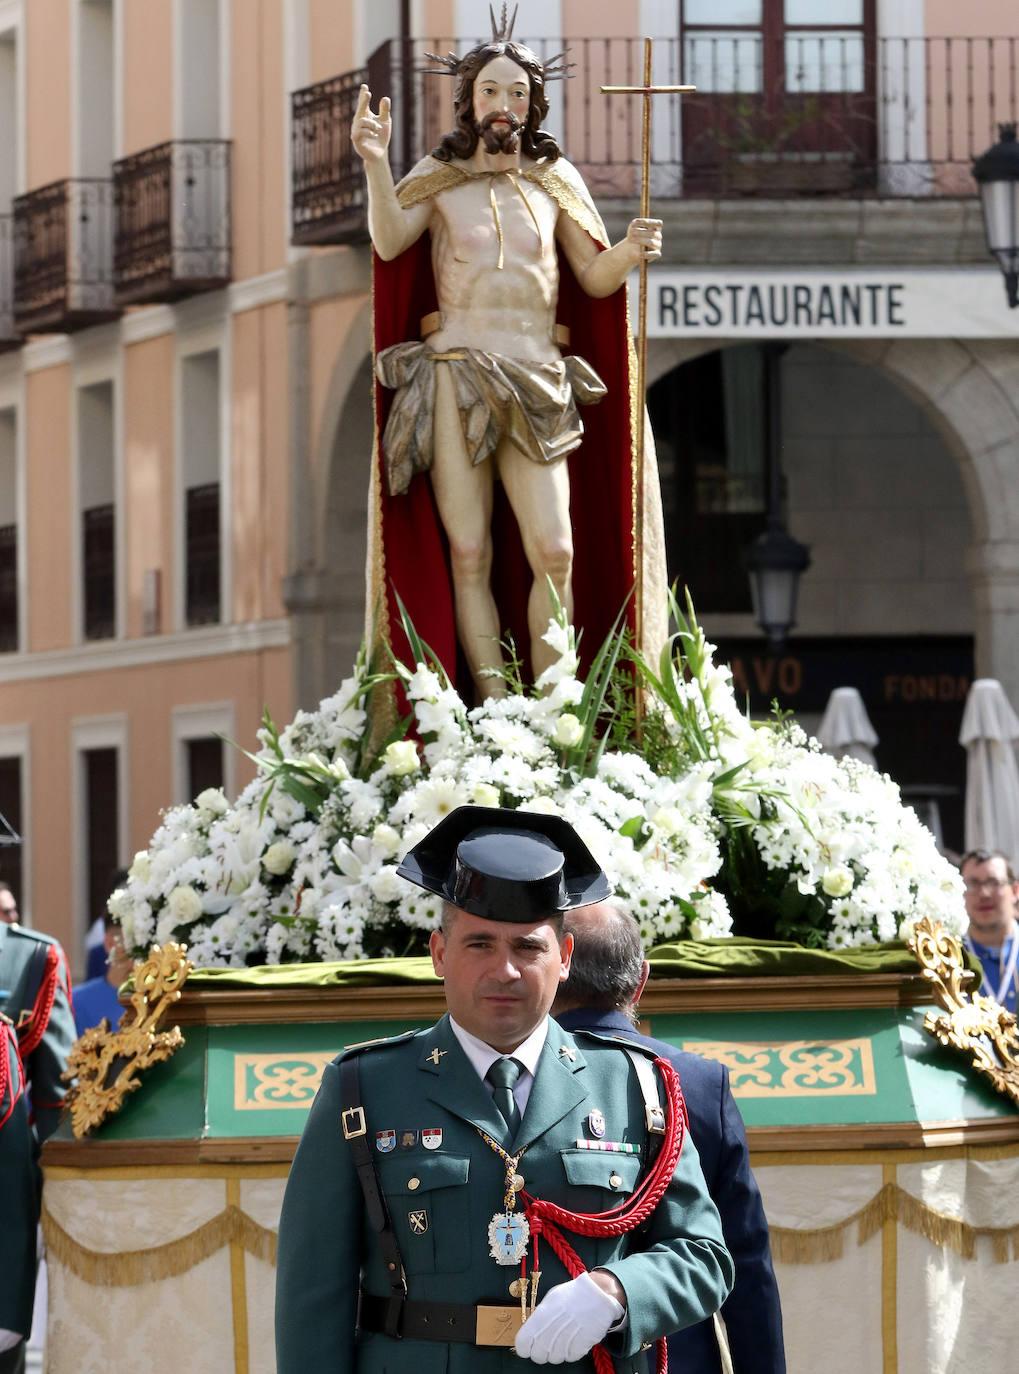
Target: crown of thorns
555,69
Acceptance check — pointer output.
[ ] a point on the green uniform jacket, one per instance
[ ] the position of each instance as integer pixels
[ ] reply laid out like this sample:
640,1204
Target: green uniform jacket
675,1269
23,962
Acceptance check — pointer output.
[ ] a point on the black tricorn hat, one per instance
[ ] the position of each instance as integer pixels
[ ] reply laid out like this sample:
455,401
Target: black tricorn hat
506,865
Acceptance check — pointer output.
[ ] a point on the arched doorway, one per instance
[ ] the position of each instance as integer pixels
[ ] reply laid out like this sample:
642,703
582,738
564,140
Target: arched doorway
878,495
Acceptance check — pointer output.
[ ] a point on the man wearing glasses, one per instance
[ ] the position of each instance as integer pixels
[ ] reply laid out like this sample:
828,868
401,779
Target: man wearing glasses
991,895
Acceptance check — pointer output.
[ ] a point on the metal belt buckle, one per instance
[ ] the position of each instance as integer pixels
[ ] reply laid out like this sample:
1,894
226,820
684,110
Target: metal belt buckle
353,1123
497,1325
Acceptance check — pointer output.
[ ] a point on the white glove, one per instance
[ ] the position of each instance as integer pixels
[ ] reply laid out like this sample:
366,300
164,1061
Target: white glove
569,1321
9,1339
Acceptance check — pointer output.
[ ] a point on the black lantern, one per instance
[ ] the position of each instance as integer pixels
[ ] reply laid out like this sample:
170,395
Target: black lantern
997,173
775,560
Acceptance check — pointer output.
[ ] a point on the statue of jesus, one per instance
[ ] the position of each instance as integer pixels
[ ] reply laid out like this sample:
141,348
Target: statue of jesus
483,393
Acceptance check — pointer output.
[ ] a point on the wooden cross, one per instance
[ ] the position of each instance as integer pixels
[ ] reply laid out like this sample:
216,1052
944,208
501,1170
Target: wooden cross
646,92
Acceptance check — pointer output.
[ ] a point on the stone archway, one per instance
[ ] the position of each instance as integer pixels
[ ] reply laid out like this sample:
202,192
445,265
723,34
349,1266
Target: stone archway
325,589
965,388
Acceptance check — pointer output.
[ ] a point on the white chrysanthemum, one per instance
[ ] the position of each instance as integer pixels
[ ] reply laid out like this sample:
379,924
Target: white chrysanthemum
435,798
386,885
511,737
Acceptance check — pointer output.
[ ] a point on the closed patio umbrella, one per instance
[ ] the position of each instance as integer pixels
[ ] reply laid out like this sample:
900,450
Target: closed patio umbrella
989,729
845,728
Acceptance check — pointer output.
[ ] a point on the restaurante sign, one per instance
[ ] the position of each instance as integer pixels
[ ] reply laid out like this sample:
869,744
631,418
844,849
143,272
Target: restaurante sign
909,304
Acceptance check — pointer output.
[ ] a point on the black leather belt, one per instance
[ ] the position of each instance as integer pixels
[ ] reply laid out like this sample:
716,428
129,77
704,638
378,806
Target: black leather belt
496,1324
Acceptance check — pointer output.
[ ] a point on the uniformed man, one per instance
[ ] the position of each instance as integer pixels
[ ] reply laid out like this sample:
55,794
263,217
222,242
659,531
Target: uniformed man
36,1035
403,1242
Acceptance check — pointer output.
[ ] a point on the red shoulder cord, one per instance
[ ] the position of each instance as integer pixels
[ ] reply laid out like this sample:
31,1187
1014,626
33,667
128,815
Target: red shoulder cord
545,1218
31,1032
7,1039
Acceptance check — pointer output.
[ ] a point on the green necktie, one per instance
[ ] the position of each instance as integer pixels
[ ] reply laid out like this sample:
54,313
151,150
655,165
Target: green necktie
502,1075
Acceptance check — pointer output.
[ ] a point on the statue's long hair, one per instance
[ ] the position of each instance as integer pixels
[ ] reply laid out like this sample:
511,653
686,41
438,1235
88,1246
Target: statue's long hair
535,141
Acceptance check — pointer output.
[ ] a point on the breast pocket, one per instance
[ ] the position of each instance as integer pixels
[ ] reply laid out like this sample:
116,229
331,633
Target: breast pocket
599,1181
427,1199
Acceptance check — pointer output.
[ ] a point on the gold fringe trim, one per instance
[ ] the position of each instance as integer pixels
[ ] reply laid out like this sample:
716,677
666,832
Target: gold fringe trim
790,1245
127,1268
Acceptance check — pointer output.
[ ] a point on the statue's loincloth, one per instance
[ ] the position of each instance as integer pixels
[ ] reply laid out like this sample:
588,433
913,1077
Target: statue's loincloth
534,405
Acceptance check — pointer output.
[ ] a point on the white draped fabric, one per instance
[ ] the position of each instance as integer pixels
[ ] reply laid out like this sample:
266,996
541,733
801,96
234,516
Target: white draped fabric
899,1303
845,728
989,730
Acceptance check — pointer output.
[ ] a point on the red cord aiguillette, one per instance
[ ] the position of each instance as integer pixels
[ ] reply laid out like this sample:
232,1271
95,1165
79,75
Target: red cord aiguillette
545,1218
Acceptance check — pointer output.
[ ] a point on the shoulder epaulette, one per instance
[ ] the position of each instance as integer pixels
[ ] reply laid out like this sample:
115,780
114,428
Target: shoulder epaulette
36,937
376,1044
618,1042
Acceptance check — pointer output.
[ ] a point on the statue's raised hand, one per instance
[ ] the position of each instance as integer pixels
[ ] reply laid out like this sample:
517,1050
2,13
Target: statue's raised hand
370,133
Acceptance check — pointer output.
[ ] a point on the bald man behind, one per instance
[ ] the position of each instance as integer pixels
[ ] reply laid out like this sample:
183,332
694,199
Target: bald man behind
607,977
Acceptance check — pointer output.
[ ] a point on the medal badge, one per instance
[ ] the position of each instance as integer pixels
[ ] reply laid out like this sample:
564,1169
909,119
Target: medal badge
431,1137
408,1139
596,1124
385,1141
508,1235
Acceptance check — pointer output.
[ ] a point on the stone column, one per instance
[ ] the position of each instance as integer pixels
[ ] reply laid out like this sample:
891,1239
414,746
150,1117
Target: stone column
994,573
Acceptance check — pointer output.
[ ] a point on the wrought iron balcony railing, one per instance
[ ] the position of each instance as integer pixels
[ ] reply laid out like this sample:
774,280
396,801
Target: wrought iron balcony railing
803,114
63,257
9,337
172,232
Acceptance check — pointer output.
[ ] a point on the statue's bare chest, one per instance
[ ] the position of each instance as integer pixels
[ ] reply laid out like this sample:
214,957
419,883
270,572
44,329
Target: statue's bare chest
489,215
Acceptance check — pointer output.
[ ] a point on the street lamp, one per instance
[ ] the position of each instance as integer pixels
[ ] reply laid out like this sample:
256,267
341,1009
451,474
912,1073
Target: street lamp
775,560
997,173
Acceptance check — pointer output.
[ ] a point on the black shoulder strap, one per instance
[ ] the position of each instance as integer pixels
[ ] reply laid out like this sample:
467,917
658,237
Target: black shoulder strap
355,1132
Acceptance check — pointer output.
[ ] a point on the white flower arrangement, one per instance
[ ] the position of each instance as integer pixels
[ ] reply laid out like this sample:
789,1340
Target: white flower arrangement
696,814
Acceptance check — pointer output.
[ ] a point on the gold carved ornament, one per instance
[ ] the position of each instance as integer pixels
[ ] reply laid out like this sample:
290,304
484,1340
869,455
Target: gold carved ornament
105,1062
978,1026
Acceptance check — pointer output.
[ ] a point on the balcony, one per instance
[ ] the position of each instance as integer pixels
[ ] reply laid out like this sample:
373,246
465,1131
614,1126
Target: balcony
172,221
328,199
804,116
8,334
63,257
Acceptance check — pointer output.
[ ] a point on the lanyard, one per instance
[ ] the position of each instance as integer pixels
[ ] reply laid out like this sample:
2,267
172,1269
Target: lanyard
1007,976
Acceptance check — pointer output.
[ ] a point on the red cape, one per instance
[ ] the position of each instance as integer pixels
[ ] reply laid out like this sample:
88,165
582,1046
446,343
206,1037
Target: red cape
412,555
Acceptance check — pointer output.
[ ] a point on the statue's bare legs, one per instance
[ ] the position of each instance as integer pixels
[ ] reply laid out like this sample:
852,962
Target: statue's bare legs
539,496
463,494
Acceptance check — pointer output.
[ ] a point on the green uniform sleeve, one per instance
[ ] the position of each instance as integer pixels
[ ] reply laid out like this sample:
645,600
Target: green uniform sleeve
49,1059
19,1205
318,1267
684,1272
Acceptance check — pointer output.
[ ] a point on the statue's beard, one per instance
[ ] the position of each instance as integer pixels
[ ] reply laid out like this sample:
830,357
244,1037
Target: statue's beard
499,137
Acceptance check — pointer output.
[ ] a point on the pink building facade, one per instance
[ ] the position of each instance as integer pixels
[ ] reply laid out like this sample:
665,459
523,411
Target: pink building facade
185,416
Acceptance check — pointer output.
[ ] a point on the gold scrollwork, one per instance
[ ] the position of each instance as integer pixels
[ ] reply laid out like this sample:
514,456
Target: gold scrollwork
106,1062
978,1026
795,1068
